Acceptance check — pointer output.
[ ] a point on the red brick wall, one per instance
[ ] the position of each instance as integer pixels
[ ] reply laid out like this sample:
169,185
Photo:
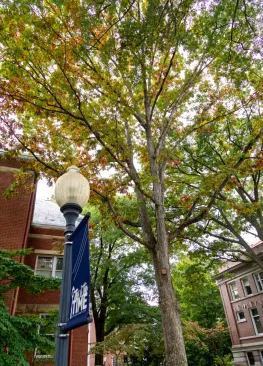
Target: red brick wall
41,239
79,347
229,314
15,215
239,330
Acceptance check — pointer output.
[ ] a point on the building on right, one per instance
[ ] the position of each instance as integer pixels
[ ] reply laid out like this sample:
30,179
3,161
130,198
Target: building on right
241,289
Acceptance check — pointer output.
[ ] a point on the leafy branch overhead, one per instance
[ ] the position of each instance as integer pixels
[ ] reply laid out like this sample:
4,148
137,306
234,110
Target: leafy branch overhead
159,103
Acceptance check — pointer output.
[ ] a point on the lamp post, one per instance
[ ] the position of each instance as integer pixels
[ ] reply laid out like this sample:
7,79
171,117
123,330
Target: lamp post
71,194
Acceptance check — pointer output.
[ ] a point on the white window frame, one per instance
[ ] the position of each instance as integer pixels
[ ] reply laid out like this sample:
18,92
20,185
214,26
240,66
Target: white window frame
232,291
54,264
261,356
36,356
250,364
244,287
253,320
238,318
258,281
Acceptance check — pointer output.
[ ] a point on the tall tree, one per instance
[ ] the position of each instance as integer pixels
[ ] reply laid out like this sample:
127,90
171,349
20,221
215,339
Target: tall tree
120,87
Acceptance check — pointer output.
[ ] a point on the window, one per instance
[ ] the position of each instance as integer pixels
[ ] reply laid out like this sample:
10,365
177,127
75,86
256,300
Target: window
259,281
250,359
49,266
261,356
246,286
256,321
241,316
47,329
233,289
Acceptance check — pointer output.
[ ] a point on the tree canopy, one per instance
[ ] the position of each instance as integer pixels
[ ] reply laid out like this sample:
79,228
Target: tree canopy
128,91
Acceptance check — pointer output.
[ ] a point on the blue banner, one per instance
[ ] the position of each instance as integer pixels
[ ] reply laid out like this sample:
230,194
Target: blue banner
80,277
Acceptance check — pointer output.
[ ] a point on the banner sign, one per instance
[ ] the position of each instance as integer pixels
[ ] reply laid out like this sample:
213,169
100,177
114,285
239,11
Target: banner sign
80,277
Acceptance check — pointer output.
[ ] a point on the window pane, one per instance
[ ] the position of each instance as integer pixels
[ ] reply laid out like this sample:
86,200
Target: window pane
44,273
258,325
58,274
259,278
45,263
254,312
257,321
59,264
247,288
251,360
234,292
240,315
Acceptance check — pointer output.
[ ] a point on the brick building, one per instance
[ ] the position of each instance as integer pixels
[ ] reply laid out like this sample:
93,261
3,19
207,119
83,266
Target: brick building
27,223
241,288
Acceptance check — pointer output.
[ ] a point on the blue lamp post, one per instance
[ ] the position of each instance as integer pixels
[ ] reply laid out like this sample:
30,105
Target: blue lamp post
72,194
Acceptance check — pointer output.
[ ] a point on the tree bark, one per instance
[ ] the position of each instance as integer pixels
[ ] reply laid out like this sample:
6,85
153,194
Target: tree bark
169,306
170,310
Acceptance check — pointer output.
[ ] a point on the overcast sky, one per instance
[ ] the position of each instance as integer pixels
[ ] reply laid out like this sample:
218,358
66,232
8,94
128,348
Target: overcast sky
43,190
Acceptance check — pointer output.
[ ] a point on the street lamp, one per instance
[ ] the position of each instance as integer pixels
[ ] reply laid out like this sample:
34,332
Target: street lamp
71,194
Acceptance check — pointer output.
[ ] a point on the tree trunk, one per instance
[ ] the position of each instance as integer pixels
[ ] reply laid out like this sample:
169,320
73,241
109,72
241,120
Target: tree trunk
99,325
170,310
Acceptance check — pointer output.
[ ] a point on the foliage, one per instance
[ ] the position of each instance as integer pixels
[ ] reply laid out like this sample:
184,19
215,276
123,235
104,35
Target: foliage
205,346
143,343
20,333
90,94
237,210
205,330
198,294
16,274
128,91
119,273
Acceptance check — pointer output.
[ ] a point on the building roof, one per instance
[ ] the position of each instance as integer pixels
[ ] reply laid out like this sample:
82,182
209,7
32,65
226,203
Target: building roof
230,267
47,213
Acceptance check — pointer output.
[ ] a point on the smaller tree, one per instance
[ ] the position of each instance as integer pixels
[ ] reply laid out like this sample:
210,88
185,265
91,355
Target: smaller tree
199,295
205,330
119,273
20,334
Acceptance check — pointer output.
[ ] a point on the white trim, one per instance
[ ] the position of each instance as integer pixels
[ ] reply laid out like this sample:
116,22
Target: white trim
238,276
238,317
247,345
250,337
48,252
254,323
44,236
248,358
43,226
246,297
244,287
54,264
256,280
232,291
